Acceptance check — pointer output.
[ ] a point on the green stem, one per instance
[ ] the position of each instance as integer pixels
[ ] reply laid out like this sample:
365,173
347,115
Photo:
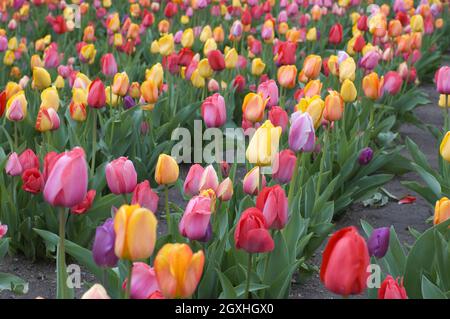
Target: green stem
166,193
322,162
94,140
61,291
130,274
293,182
249,271
16,136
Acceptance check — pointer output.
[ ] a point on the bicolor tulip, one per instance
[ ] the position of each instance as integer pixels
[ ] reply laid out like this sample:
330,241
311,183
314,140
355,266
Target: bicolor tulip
145,196
269,91
149,91
264,144
225,190
47,120
135,229
311,68
144,284
167,170
253,107
214,111
191,184
378,242
287,75
78,111
121,83
442,79
391,289
13,166
121,176
209,179
251,232
97,291
251,181
103,247
178,270
371,86
334,107
273,203
16,107
195,222
302,136
344,263
441,211
67,179
391,83
444,148
109,65
96,94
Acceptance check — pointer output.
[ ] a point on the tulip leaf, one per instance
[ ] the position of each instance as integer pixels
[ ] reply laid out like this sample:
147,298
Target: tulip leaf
4,246
13,283
430,290
240,290
228,291
429,179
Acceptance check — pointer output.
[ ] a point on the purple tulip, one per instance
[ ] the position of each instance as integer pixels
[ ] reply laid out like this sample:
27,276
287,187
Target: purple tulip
103,248
128,102
302,136
365,156
378,242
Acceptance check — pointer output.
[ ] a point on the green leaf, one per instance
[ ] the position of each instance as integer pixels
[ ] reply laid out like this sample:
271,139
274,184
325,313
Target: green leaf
13,283
430,290
4,246
228,291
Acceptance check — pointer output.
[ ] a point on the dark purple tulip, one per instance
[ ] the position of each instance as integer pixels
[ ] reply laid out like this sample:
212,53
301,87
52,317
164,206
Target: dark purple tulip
378,242
128,102
365,156
103,248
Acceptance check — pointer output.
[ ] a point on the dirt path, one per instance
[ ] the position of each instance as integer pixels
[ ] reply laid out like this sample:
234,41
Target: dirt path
400,216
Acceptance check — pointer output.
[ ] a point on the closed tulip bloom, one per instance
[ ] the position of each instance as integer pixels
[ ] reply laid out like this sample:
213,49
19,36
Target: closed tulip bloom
392,83
334,107
66,184
167,170
85,205
264,144
392,289
225,190
97,95
28,159
279,117
143,282
269,91
109,65
302,136
135,229
370,60
253,107
78,111
13,166
287,75
145,196
156,74
251,181
16,107
378,242
312,88
231,58
50,98
97,291
103,247
371,86
191,184
149,91
214,111
121,84
273,203
251,233
283,166
347,69
195,223
348,91
444,148
178,270
258,66
166,44
441,211
395,28
335,34
121,176
216,60
47,120
416,23
442,79
344,263
187,38
209,179
311,68
444,101
41,78
365,156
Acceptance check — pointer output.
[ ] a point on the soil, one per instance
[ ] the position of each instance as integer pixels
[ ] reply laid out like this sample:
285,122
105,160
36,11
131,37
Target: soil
41,275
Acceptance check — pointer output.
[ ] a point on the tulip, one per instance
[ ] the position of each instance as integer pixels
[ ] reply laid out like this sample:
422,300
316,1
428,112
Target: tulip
78,111
187,38
370,60
13,165
66,182
344,262
365,156
209,179
442,79
103,247
273,203
50,98
251,232
156,74
283,166
178,270
167,170
195,223
258,66
97,95
253,107
213,111
231,58
334,107
149,91
28,159
311,68
47,120
145,196
391,83
269,92
287,75
444,148
444,101
96,292
251,181
16,107
109,65
279,117
121,176
41,78
32,181
135,229
441,211
191,184
85,205
210,45
335,34
313,88
348,91
144,284
216,60
378,242
263,145
302,135
3,230
416,23
121,83
347,69
371,86
392,289
225,190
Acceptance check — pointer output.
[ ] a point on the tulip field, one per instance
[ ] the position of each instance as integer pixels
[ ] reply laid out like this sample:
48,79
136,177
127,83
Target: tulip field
225,149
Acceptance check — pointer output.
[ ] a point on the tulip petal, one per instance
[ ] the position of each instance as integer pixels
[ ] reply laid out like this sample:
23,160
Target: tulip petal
141,233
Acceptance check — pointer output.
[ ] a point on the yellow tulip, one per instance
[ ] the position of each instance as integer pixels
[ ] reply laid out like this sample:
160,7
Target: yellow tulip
79,95
264,144
197,80
11,89
88,53
348,91
347,69
231,59
416,23
118,40
184,19
311,35
50,98
36,61
187,39
59,82
206,33
258,66
314,106
156,74
333,65
9,58
210,45
166,44
115,97
16,107
444,148
41,78
441,211
167,170
121,83
204,68
135,229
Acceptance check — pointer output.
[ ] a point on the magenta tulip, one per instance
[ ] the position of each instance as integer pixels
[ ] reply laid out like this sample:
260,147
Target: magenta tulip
442,79
143,282
195,223
192,183
269,90
392,82
121,176
213,111
283,166
13,166
145,196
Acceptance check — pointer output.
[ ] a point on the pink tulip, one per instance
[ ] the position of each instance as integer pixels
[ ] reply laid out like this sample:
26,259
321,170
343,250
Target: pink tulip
392,82
251,181
195,223
109,65
145,196
191,185
3,230
225,190
442,79
302,136
13,166
273,203
51,56
143,281
121,176
283,166
269,90
209,179
279,117
370,60
214,112
67,181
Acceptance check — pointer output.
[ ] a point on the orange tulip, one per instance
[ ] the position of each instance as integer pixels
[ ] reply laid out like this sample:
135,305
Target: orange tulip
178,270
286,76
312,88
311,68
441,210
120,84
371,86
253,107
167,170
149,91
334,107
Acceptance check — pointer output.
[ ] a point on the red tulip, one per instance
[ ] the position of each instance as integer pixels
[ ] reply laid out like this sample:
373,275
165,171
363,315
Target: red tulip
285,53
335,35
251,233
28,159
2,103
362,23
239,83
121,176
170,10
216,60
97,95
145,196
192,182
32,181
66,184
392,289
85,205
109,65
213,111
360,43
273,203
392,82
344,262
185,56
279,117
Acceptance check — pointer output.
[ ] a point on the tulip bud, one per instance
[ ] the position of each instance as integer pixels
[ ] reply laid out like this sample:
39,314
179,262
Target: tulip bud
121,176
302,136
167,170
279,117
209,179
273,203
103,247
442,79
213,110
50,98
251,233
392,289
253,107
365,156
444,148
264,144
348,91
97,95
371,86
191,184
216,60
231,59
28,159
109,65
16,107
391,83
121,83
13,166
145,196
283,166
258,66
144,284
251,181
287,75
378,242
225,190
41,78
441,211
195,223
334,107
47,120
